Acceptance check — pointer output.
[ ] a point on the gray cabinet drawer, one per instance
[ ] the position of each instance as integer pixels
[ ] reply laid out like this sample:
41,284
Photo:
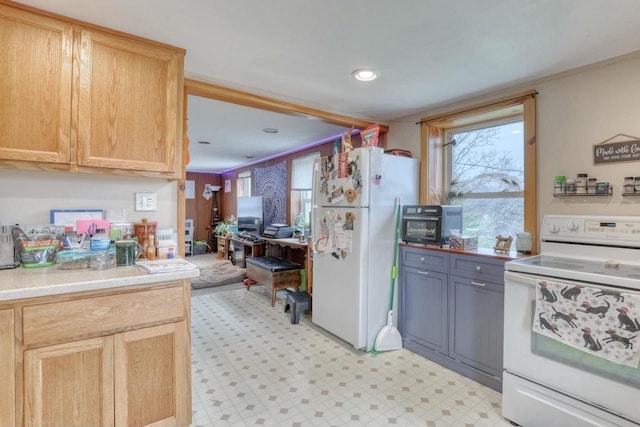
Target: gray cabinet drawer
424,259
478,268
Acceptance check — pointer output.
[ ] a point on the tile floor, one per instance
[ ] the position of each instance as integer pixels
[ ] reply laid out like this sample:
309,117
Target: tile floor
252,367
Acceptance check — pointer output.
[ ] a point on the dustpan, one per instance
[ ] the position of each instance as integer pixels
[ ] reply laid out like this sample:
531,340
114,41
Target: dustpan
389,337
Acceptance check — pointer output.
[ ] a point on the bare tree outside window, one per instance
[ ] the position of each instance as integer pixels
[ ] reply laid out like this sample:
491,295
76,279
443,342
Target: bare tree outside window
486,178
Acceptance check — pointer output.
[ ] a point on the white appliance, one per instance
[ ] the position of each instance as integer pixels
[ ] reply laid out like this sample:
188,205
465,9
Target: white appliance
353,217
595,260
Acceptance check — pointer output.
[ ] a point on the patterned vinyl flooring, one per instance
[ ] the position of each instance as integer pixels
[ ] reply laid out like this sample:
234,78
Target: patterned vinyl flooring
252,367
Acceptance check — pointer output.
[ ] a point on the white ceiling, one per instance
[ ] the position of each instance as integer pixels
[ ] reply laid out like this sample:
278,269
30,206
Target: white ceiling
428,52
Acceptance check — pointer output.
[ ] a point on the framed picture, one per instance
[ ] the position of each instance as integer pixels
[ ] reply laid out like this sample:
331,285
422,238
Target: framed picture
227,186
503,244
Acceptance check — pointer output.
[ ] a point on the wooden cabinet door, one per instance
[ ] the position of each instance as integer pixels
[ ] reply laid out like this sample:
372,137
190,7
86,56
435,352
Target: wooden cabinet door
477,310
423,308
70,384
152,377
35,87
128,104
7,369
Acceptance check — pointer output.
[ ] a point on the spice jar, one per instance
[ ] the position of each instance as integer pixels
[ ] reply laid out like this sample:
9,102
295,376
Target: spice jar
570,186
581,183
628,184
636,187
558,187
591,185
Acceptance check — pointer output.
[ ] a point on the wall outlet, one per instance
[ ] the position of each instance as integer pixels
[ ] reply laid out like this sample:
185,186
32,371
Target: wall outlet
146,202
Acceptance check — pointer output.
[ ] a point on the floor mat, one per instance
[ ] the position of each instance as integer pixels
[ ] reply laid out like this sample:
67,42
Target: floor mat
218,274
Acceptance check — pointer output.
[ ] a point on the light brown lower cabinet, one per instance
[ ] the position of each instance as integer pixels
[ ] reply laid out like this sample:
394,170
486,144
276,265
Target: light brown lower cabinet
107,371
7,369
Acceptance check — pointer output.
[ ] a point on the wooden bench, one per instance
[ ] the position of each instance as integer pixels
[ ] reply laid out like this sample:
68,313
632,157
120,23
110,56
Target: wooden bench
274,273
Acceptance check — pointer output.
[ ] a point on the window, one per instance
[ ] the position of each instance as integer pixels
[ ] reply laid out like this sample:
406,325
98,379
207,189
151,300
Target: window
491,168
244,184
301,184
484,167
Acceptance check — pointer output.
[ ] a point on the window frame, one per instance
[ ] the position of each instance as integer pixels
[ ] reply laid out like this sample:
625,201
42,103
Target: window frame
241,181
433,129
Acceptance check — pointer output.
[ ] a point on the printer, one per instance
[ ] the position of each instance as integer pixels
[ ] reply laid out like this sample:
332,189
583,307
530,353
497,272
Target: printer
278,231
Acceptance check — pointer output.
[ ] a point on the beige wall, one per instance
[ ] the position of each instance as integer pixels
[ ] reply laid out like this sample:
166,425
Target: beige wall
26,197
574,112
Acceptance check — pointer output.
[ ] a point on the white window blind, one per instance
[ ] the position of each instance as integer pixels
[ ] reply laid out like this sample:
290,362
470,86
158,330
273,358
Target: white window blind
302,172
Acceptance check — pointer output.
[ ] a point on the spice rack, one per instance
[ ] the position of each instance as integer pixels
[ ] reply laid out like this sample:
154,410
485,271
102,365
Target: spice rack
634,194
608,193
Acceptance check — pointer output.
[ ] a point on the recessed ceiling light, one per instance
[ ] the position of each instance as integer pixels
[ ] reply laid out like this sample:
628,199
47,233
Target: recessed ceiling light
270,130
204,142
365,75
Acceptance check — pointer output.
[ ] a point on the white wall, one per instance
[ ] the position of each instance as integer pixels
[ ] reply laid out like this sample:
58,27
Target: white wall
574,112
26,197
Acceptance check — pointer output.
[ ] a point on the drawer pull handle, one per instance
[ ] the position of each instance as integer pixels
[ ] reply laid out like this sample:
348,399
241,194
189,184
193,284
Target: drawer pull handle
478,284
421,259
478,268
425,273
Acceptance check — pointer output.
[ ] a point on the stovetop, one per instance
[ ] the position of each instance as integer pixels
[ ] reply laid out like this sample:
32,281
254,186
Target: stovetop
604,272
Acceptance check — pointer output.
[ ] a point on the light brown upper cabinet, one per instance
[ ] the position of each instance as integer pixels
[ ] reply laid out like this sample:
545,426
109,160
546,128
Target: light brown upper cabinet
35,88
127,104
84,98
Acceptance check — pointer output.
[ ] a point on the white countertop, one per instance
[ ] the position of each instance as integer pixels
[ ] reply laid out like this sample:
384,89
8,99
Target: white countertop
21,282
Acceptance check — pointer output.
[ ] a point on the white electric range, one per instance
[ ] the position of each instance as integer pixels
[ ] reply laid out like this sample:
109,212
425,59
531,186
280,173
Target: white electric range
561,374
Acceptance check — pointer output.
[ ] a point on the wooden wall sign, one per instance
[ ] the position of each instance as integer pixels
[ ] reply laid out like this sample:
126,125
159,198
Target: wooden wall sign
614,152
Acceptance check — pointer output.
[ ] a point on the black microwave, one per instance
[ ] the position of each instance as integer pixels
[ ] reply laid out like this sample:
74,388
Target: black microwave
430,224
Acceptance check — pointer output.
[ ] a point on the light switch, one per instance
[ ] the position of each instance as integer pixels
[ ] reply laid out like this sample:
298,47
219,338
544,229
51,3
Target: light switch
146,202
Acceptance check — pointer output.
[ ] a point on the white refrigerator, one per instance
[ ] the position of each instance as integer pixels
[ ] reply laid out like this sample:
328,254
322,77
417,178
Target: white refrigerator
353,233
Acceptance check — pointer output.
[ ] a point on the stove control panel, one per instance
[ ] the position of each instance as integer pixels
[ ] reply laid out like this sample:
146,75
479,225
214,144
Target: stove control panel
592,229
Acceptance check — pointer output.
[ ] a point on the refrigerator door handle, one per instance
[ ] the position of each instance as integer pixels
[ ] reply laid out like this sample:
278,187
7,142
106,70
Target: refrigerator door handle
314,206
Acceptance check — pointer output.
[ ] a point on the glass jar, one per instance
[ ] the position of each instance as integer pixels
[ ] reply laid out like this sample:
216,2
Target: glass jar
558,186
636,187
100,259
581,183
570,186
628,186
591,185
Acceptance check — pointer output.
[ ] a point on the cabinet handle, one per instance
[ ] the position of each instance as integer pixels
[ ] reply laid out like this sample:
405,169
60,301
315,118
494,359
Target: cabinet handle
478,267
478,284
426,273
421,259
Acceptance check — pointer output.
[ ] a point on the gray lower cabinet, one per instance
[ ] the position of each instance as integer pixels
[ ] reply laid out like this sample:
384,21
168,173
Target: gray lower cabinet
425,292
476,323
451,311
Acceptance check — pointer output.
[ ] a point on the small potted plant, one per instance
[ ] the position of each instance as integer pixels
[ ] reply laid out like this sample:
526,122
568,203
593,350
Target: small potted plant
224,228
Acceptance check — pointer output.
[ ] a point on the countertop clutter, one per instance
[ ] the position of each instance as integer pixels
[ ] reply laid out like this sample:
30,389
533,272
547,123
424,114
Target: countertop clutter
36,282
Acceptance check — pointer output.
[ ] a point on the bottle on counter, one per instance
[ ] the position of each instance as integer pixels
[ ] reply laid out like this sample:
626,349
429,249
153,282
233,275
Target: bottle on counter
100,241
151,248
100,245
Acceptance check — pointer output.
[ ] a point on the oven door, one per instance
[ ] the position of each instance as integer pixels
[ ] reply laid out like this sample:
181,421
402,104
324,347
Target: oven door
421,230
548,383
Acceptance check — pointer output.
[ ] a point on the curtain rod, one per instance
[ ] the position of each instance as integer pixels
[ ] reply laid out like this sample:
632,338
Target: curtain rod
533,95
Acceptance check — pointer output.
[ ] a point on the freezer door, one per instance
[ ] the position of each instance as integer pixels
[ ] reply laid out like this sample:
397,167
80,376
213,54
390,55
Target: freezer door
342,179
340,273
